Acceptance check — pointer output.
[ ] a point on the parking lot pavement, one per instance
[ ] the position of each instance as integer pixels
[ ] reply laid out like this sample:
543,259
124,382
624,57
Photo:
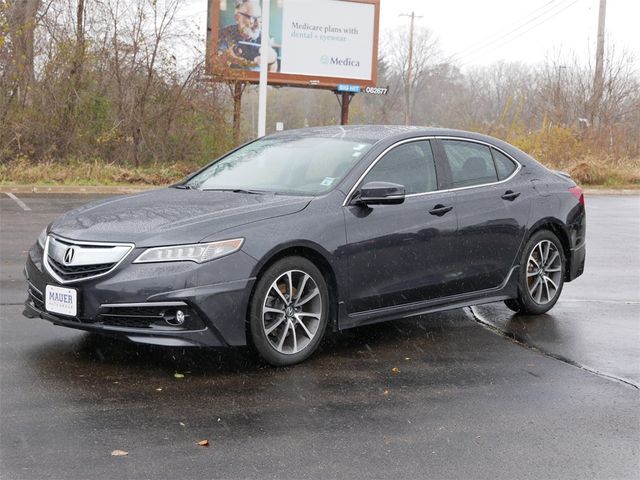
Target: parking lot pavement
596,323
463,403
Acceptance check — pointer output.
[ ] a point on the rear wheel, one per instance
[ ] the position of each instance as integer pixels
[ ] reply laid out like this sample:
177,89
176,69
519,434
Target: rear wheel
289,311
541,275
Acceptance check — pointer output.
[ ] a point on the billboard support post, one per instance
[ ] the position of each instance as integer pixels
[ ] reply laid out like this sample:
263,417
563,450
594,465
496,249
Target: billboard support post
344,99
264,66
237,91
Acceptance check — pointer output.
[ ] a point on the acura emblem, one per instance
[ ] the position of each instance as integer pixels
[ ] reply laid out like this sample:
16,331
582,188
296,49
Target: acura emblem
68,255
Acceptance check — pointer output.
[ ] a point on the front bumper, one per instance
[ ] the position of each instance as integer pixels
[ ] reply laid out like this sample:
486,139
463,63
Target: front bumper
139,302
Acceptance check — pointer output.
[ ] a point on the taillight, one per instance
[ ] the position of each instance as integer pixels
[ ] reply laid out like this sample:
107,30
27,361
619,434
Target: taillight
578,193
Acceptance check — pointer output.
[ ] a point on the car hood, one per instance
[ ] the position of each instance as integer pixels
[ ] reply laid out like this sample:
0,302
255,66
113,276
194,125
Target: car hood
171,216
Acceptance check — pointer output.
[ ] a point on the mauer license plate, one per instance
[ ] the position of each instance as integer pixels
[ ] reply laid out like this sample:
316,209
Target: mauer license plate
61,300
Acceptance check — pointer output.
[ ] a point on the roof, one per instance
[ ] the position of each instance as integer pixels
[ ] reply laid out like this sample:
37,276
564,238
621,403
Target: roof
375,133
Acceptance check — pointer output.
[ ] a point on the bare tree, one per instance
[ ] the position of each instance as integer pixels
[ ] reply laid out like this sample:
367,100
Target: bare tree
411,80
20,20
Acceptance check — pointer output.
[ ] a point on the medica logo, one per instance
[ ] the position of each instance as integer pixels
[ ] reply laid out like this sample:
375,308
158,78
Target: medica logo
343,62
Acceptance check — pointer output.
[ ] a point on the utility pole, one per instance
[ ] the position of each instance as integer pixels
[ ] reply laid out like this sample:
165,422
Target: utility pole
407,112
598,80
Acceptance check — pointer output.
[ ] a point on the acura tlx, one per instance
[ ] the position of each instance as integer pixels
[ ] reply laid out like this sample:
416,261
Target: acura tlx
305,230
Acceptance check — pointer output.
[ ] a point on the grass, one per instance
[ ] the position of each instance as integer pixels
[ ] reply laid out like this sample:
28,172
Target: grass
606,172
92,172
588,170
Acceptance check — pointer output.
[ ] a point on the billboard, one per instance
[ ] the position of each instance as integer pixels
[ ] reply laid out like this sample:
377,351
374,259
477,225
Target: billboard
319,43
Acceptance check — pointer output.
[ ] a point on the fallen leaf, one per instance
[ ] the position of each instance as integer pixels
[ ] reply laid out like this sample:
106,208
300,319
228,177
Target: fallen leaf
386,392
182,424
395,370
407,358
178,375
158,389
203,443
119,453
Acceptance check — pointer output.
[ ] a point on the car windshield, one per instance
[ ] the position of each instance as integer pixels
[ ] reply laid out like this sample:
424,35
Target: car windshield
294,165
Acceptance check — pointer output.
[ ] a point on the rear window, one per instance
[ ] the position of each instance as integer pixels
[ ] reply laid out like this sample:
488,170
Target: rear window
504,165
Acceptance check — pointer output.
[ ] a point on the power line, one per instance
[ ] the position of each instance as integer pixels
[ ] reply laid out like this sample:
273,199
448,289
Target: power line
483,51
512,35
518,23
517,30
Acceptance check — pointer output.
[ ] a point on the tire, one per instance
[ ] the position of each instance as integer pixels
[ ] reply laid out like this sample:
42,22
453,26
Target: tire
541,275
289,311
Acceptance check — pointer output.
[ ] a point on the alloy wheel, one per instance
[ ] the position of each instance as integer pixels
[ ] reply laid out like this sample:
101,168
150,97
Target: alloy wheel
291,312
544,272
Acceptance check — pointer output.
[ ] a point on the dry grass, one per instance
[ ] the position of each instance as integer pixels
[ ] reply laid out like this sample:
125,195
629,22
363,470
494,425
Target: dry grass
94,172
607,172
595,158
558,148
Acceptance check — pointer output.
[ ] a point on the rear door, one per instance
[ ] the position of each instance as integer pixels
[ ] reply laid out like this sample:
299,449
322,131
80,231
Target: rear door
491,211
399,254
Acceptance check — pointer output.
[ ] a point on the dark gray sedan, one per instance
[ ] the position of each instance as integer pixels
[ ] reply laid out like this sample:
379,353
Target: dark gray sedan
311,229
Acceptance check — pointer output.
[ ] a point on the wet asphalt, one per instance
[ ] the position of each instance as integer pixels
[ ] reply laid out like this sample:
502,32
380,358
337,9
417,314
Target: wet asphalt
469,393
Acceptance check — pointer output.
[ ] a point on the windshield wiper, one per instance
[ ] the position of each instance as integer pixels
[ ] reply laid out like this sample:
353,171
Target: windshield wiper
184,187
235,190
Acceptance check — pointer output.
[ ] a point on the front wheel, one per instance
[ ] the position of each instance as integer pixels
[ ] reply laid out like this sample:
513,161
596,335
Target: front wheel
541,275
289,311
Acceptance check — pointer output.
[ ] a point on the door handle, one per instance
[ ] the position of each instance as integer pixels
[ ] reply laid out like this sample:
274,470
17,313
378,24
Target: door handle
440,210
510,195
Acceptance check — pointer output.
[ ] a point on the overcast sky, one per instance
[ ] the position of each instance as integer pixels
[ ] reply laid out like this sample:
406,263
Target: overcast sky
481,32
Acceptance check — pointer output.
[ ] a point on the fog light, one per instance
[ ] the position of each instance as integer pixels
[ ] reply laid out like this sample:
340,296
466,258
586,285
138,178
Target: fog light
176,320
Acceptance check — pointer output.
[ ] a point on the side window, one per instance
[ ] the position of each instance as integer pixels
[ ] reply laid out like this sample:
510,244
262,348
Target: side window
470,163
504,165
410,164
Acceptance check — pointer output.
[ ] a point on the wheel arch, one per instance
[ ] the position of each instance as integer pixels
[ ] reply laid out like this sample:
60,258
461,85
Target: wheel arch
312,252
556,227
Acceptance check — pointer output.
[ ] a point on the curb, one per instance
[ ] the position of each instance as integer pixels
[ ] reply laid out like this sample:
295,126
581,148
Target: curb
76,189
611,191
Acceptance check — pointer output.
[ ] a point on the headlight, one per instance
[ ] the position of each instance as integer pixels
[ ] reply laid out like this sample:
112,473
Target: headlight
42,238
197,252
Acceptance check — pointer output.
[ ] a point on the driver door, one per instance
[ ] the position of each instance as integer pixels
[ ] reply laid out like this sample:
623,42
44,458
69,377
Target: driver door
399,254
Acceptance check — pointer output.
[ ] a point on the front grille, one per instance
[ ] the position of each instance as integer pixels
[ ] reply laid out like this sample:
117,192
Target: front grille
70,261
81,271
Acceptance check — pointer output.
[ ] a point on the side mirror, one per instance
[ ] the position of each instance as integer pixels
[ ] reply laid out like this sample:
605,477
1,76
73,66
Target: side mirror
379,193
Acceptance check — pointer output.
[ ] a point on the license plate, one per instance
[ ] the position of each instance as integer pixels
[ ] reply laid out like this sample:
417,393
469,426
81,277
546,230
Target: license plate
61,300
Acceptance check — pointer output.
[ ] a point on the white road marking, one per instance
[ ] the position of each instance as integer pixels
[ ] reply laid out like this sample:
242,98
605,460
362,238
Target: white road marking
626,302
18,201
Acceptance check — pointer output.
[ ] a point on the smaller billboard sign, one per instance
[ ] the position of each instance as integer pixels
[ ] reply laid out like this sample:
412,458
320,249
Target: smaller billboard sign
348,88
